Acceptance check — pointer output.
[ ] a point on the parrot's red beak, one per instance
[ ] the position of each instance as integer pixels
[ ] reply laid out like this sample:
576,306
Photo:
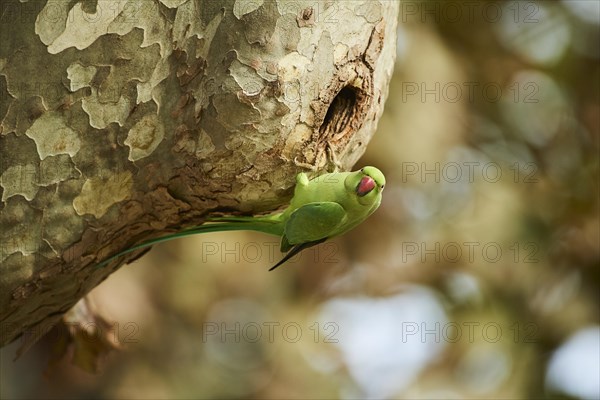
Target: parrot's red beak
365,186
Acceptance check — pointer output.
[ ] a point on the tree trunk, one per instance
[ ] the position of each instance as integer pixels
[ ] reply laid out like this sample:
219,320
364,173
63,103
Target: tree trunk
122,120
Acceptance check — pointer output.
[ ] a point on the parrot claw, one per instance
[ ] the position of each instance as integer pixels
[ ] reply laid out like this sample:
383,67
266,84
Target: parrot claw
308,166
333,159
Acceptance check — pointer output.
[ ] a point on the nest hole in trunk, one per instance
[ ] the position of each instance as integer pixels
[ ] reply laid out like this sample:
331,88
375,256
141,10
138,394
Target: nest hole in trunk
341,111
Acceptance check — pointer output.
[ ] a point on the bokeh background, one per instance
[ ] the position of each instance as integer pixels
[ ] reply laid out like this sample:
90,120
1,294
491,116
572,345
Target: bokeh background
477,278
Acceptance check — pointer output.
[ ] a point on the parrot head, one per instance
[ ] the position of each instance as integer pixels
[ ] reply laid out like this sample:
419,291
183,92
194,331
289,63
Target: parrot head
368,183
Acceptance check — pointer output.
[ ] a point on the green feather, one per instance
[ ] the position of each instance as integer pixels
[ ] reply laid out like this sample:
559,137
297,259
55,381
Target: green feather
314,221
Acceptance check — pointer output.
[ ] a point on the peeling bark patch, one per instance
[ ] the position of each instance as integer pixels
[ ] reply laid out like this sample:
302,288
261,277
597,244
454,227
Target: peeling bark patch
49,24
52,136
144,137
19,180
370,10
246,77
260,24
98,194
82,28
243,7
56,169
144,89
340,53
80,76
102,114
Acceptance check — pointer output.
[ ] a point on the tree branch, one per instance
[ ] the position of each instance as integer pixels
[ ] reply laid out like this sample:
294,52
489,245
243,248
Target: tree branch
118,125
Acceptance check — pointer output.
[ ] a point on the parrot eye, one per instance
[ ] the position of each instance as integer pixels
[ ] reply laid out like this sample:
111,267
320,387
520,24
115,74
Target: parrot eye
382,186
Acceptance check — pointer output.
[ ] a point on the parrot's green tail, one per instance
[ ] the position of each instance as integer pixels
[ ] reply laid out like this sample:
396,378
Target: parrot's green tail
268,224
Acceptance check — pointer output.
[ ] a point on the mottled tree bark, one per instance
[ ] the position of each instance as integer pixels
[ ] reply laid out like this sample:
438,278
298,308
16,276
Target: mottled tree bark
122,120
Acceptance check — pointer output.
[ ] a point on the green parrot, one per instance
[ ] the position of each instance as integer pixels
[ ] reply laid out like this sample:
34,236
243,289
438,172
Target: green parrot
323,207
